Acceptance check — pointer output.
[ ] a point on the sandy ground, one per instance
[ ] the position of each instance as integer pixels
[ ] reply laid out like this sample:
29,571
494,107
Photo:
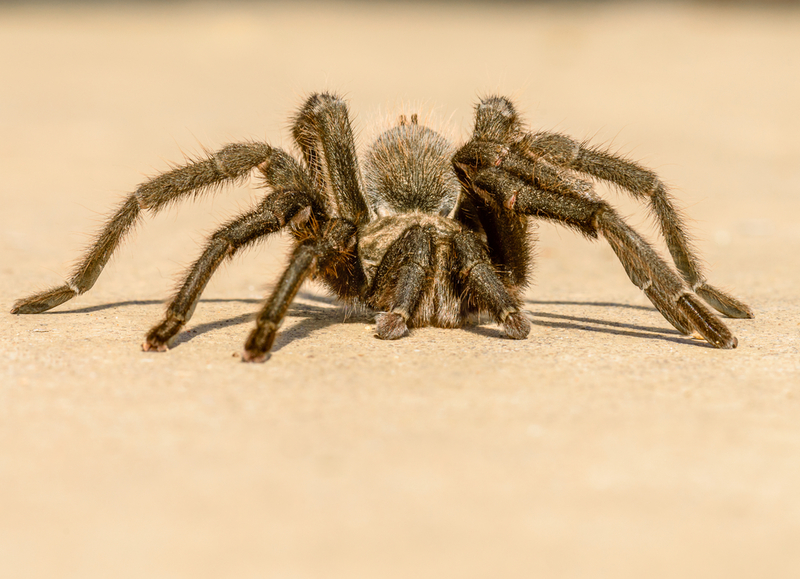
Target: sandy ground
604,445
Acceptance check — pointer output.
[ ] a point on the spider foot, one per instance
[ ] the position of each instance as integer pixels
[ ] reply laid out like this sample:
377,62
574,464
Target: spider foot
723,302
516,326
258,357
148,346
159,338
390,326
43,301
706,323
259,342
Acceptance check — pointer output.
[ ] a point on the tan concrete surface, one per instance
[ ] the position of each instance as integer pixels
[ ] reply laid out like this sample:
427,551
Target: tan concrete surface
605,445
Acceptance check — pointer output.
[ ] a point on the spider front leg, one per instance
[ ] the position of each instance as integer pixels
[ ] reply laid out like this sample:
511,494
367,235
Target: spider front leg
484,288
324,253
270,216
229,164
324,134
645,268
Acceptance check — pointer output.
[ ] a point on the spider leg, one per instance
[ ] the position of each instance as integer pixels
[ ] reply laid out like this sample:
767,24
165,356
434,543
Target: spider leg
643,184
483,286
644,267
326,252
324,134
507,236
271,215
497,121
567,205
400,280
229,164
497,130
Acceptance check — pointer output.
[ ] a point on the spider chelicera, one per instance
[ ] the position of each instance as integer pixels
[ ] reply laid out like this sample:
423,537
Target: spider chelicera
429,235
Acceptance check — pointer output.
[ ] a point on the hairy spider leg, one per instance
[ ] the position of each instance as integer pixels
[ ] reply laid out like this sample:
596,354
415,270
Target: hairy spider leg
324,134
508,237
506,230
275,211
496,120
484,288
642,183
644,267
497,129
229,164
289,200
335,244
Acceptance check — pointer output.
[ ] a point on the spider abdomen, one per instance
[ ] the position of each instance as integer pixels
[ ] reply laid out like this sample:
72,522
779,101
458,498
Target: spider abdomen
408,169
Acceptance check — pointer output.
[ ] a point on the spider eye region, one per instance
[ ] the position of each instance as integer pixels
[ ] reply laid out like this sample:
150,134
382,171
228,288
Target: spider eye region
408,168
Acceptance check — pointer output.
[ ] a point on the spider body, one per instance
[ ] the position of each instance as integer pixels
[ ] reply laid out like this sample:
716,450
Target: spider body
429,235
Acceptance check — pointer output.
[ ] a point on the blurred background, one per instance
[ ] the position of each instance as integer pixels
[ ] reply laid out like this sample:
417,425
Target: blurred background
603,446
128,87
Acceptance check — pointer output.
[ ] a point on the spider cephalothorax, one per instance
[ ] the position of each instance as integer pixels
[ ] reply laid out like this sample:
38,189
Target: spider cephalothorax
431,235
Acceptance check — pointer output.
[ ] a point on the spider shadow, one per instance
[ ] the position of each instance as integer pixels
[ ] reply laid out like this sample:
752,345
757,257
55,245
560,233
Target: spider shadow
312,318
101,307
328,313
567,322
112,305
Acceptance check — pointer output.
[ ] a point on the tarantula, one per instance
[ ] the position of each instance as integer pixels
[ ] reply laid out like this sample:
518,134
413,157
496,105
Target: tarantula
430,235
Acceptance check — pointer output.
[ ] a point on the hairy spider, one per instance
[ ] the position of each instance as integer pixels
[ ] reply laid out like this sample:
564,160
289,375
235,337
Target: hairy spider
430,235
